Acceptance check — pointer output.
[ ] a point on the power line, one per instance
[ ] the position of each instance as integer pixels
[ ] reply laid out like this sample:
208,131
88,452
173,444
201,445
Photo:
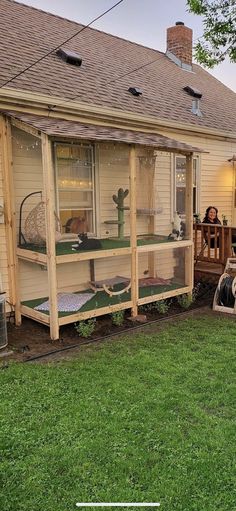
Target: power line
115,79
57,47
133,70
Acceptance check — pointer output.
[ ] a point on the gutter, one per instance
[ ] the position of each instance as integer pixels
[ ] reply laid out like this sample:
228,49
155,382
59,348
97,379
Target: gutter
40,104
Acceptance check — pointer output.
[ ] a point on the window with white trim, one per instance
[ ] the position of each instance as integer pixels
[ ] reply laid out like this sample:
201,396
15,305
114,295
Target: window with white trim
75,187
180,184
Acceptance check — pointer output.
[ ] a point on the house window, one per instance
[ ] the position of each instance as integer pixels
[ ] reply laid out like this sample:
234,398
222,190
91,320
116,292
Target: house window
75,187
180,184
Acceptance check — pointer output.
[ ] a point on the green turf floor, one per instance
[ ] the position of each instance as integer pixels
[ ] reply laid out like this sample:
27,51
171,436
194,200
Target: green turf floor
102,299
107,243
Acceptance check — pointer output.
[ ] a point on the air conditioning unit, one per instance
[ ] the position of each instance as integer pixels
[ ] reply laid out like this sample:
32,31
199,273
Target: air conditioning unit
3,321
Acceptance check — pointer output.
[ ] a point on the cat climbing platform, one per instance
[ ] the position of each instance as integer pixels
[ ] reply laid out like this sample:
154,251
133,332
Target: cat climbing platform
107,285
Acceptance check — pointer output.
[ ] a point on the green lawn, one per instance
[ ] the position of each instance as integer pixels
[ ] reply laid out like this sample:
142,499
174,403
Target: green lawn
149,418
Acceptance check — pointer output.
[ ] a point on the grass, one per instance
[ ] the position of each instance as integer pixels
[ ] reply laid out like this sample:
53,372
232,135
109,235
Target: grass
147,418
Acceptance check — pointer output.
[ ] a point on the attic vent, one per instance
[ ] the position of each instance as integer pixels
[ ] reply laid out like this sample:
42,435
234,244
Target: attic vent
135,91
196,107
70,57
195,93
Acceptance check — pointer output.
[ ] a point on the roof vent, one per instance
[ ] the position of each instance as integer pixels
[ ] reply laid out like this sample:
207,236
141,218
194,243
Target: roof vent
135,91
195,93
196,107
70,57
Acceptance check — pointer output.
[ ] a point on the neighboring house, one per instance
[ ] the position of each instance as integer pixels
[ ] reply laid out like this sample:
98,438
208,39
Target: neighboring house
104,114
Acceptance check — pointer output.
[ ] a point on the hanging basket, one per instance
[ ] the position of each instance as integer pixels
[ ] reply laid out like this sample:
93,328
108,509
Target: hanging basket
35,226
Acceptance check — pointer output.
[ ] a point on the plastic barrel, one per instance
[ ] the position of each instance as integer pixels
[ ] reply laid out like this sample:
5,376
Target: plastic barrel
3,322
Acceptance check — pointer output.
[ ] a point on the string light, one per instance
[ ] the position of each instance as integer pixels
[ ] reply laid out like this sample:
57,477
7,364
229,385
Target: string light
75,183
180,177
28,147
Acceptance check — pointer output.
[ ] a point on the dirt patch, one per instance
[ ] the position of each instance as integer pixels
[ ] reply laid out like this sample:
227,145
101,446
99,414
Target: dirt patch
32,339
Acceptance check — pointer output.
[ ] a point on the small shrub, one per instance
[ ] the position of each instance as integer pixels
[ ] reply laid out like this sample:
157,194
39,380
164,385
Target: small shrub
162,306
147,307
185,300
118,317
85,328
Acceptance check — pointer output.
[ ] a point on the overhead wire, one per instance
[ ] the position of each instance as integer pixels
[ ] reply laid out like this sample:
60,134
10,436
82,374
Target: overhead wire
59,46
69,39
113,80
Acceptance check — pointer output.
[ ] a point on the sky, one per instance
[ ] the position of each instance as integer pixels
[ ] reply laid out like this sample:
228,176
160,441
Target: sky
142,21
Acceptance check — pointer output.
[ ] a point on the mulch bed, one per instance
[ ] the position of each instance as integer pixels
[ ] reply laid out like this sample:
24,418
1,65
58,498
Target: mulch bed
32,339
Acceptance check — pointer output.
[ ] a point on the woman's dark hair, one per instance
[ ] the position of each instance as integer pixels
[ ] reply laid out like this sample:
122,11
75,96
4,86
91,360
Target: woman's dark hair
207,213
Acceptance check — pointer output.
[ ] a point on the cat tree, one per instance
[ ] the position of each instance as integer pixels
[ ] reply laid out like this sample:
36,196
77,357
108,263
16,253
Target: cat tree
120,222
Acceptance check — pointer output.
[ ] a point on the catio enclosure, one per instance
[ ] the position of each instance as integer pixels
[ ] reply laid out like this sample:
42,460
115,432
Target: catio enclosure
68,178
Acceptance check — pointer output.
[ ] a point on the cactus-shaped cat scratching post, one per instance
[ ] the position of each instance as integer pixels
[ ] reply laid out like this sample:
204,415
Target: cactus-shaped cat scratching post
119,201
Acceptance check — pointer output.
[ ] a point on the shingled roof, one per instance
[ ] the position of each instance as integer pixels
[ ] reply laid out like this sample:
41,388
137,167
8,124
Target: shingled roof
77,130
27,33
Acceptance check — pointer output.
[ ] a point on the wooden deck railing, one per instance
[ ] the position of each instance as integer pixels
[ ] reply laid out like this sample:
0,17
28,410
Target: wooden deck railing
213,243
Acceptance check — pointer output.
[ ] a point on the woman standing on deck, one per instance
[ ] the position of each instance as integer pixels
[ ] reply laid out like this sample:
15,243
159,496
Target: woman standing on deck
211,216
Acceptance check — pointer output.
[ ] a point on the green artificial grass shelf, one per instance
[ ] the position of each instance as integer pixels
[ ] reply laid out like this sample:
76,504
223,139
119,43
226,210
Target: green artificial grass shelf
102,299
107,243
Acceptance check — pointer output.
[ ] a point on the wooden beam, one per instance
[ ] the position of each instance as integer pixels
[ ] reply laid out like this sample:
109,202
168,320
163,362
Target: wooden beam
25,127
86,256
189,259
80,316
49,195
30,255
133,231
162,296
189,267
159,247
10,215
189,197
36,315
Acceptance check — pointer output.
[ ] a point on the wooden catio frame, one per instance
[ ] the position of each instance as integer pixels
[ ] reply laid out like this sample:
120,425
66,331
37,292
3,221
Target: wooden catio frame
50,259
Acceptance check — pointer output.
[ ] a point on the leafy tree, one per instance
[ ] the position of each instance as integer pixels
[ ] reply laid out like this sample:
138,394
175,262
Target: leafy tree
219,36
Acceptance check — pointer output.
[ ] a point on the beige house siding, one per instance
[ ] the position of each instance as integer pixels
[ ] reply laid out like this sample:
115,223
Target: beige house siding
216,173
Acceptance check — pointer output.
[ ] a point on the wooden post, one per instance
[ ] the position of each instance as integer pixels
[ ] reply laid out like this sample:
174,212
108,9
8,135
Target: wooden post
133,232
49,197
189,260
10,216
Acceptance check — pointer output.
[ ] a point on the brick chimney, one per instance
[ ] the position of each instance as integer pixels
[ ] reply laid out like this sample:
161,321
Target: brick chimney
180,45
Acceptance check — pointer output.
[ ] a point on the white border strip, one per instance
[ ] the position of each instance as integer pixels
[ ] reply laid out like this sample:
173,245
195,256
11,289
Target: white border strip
118,504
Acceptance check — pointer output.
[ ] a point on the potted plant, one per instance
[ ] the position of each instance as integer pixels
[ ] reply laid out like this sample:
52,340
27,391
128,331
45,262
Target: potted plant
224,220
